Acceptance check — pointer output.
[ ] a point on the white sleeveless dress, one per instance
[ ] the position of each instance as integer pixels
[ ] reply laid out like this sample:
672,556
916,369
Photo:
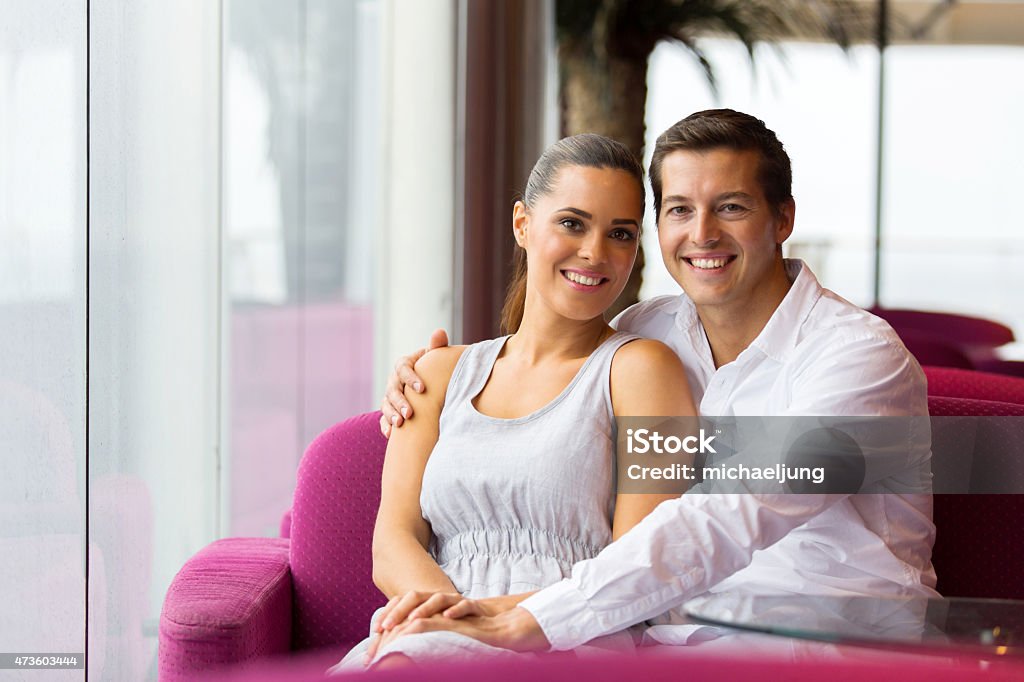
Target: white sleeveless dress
514,503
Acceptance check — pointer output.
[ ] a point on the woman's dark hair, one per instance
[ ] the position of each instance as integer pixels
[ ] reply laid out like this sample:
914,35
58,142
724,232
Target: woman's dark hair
725,128
587,150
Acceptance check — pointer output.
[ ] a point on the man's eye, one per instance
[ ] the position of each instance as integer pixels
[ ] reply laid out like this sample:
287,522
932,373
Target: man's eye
733,208
678,210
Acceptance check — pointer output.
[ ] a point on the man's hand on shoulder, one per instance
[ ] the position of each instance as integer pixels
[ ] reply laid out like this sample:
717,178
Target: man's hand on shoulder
395,408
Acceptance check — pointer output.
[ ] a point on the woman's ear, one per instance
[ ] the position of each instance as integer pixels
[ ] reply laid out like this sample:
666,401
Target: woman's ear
520,222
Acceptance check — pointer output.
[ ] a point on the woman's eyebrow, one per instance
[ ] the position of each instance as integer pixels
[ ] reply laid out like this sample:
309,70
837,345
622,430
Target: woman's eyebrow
583,214
580,212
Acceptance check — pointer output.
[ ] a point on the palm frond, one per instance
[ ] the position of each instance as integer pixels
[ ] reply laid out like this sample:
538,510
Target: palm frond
630,29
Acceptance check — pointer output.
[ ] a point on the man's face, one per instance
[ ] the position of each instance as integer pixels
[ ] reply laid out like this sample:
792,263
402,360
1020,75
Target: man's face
719,236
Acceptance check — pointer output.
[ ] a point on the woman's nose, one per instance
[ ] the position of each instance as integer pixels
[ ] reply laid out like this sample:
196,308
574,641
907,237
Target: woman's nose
593,248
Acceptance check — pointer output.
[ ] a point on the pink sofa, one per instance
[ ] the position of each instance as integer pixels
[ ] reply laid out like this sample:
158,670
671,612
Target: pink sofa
243,601
951,340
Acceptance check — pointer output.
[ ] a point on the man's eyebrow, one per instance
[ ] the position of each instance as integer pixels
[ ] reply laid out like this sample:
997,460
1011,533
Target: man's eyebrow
725,196
583,214
675,198
734,195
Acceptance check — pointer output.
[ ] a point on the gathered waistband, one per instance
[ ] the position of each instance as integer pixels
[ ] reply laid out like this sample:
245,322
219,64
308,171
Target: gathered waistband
512,542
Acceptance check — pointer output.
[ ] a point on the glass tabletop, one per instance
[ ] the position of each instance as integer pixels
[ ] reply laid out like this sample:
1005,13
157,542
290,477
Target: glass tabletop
992,627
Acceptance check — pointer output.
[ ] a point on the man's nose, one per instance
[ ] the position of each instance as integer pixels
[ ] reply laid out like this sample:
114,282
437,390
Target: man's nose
704,230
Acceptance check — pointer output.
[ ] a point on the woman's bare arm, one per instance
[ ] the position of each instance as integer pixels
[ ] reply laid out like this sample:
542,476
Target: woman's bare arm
401,536
648,380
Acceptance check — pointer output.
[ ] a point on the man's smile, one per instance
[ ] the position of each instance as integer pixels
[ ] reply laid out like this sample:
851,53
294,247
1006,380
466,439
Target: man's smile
712,263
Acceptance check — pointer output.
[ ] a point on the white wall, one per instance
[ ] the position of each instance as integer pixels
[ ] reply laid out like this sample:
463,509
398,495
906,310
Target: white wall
417,250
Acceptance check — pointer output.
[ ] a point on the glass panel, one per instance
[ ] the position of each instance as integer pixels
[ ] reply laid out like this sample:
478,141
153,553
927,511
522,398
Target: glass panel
300,126
42,318
953,238
154,346
821,102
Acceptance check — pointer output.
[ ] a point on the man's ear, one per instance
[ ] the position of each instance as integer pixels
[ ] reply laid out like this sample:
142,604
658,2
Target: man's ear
787,216
520,222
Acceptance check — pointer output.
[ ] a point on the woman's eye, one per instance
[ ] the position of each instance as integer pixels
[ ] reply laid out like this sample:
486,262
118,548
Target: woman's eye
570,224
623,235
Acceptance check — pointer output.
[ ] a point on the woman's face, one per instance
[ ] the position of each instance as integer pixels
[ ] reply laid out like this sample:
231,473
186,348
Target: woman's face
580,240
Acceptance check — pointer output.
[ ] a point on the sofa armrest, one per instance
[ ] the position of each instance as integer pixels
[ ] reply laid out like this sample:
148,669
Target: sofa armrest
231,603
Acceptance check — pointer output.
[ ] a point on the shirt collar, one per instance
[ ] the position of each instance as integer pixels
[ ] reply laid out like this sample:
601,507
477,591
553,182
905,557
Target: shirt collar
781,333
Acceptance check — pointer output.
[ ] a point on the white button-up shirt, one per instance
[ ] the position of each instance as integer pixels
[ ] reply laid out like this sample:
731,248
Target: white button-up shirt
818,355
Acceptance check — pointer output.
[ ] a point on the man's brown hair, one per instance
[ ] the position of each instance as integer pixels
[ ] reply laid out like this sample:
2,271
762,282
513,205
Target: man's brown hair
725,128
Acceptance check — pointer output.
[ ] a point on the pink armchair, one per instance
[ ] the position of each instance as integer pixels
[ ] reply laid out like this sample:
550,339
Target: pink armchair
242,599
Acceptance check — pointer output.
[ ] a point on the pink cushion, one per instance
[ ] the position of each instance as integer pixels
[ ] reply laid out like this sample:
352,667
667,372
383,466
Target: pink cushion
961,330
336,500
1013,368
961,383
977,552
942,406
209,621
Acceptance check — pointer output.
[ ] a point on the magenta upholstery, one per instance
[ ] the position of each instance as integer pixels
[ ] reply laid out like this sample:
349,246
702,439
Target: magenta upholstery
231,603
944,406
929,349
962,330
979,551
1013,368
960,383
239,600
951,340
336,500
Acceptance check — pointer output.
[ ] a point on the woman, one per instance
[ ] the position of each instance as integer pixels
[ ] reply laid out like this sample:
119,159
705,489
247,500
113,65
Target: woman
505,479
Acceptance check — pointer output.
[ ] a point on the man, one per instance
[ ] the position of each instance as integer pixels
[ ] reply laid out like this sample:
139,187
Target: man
759,337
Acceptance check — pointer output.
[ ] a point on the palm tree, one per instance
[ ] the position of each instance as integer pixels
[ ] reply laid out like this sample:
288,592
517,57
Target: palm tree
604,47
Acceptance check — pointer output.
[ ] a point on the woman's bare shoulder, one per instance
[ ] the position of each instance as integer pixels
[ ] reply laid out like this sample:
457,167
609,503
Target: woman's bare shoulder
648,378
438,364
646,357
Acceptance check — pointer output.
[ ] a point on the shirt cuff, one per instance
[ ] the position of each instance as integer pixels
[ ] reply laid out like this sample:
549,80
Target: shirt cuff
563,614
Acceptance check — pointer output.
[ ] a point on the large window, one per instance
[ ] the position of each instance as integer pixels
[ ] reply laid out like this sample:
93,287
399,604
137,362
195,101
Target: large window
951,239
821,102
953,167
42,329
301,124
190,255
